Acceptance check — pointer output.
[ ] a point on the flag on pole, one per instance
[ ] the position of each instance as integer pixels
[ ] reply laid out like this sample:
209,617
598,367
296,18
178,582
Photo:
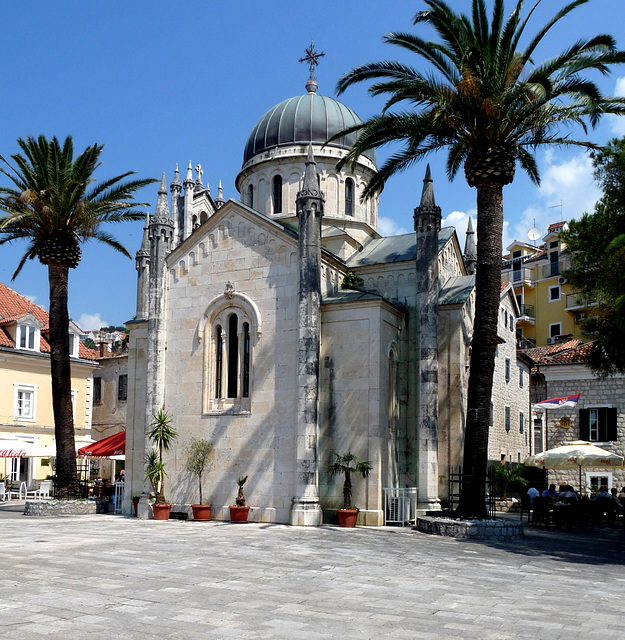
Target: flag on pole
558,403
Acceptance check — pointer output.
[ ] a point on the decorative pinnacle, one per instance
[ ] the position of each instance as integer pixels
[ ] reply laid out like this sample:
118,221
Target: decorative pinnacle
188,181
427,196
312,58
176,181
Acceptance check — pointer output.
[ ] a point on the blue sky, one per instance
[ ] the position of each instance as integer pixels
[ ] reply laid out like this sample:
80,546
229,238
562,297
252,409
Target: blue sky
161,83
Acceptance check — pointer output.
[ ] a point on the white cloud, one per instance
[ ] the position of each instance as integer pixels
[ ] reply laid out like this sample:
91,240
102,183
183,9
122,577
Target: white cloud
389,227
31,298
89,322
617,123
459,220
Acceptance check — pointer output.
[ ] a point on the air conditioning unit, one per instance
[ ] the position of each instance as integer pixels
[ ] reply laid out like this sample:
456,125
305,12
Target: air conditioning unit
580,317
550,341
562,280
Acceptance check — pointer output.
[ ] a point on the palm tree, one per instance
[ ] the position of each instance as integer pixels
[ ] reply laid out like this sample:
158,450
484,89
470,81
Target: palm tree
489,106
55,205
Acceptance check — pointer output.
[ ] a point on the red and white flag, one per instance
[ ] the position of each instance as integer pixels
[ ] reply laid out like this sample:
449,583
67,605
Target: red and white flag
558,403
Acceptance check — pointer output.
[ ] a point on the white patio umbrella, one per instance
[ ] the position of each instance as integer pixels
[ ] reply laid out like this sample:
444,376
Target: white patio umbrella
575,455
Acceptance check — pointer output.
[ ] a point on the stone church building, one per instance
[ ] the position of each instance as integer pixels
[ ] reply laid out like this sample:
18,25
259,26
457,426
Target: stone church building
246,333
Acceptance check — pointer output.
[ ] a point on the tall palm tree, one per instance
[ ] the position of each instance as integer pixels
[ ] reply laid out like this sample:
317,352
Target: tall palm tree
487,103
55,205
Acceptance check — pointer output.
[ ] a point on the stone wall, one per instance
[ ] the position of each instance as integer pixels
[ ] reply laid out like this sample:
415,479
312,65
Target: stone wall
65,507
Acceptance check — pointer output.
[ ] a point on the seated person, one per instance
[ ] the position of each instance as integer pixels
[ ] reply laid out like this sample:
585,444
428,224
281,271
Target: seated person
603,492
567,493
532,492
550,493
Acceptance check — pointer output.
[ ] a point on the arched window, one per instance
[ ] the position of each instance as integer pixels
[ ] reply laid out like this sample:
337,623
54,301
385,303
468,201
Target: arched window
230,329
349,197
277,194
250,196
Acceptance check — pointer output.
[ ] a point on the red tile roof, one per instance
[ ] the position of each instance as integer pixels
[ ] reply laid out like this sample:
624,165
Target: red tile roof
14,306
566,352
556,226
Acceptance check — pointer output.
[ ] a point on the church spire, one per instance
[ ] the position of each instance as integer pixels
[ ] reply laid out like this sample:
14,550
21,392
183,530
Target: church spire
219,200
470,249
162,206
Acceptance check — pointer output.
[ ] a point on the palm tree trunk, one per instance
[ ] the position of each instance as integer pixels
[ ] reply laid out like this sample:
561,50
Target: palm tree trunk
484,346
60,369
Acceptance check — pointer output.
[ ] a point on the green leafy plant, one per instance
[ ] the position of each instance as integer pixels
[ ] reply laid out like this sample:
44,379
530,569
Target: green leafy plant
352,281
506,476
240,500
162,435
198,459
348,464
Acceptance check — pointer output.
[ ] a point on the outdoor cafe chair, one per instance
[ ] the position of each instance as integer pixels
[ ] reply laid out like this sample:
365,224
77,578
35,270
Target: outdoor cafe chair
526,506
541,514
25,492
6,494
44,489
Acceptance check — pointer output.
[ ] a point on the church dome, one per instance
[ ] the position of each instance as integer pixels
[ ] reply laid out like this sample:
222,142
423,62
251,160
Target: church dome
303,119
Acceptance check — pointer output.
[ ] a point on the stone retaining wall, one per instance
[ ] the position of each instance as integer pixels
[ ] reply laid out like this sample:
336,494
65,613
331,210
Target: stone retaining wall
502,530
65,507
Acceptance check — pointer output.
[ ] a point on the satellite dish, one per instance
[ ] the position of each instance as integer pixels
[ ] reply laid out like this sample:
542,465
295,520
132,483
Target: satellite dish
534,233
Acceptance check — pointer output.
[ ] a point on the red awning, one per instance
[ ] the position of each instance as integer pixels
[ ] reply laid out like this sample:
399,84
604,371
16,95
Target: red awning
112,446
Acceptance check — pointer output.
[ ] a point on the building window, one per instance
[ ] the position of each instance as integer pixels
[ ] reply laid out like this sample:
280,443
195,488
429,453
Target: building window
277,194
27,337
595,479
74,345
521,381
511,323
507,369
97,389
250,196
24,406
554,293
349,197
507,418
598,424
521,422
555,330
122,387
232,357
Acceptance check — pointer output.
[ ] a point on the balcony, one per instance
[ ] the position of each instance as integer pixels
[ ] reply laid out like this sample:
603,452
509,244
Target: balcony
578,301
524,275
528,314
555,268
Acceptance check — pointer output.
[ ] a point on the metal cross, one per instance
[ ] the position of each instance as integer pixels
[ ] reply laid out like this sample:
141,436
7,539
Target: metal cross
312,58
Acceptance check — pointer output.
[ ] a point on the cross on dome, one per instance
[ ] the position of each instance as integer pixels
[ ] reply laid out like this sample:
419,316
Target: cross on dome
312,58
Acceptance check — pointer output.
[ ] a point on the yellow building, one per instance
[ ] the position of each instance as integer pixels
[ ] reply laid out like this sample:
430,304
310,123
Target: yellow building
26,417
550,308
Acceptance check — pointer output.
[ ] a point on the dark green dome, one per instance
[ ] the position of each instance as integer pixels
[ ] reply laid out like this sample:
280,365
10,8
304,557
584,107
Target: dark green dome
300,120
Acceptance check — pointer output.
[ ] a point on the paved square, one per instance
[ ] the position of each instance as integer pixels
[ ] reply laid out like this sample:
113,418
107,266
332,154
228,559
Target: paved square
115,577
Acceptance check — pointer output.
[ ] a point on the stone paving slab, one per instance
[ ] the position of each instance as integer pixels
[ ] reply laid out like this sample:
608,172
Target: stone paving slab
104,576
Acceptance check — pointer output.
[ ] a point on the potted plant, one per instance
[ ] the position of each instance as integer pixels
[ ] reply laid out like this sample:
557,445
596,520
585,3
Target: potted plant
162,435
197,454
348,464
238,512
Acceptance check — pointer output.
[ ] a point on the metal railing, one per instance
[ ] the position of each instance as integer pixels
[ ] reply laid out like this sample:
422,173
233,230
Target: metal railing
524,274
579,301
400,505
555,268
528,311
456,479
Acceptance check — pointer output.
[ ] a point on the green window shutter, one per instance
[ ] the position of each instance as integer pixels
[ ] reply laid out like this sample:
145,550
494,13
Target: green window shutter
611,424
584,424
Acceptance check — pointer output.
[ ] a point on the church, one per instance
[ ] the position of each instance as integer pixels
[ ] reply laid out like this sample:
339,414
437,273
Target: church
282,327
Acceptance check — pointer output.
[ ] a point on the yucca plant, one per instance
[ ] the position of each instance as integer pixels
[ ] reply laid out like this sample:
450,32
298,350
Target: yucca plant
198,460
162,435
506,476
240,499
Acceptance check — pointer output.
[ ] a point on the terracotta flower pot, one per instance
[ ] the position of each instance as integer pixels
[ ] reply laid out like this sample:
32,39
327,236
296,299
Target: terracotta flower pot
201,511
161,511
347,517
238,514
135,504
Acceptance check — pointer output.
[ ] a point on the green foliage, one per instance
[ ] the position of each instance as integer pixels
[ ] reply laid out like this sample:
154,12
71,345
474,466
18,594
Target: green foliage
347,464
506,476
352,281
240,499
198,459
162,435
596,244
90,344
112,329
